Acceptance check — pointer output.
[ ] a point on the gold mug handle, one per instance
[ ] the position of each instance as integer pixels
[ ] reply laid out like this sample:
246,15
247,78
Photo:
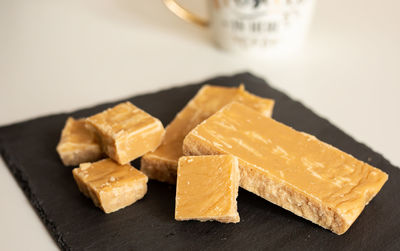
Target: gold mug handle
186,15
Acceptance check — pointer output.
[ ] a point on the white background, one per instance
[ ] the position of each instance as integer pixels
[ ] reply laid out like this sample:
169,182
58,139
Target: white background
58,56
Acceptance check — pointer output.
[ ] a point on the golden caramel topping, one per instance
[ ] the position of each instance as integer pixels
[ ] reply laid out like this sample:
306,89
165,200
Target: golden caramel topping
207,188
298,160
161,164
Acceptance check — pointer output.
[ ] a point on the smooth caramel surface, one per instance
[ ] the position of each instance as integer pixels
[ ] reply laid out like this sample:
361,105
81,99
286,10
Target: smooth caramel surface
127,132
77,143
301,161
207,101
110,185
207,188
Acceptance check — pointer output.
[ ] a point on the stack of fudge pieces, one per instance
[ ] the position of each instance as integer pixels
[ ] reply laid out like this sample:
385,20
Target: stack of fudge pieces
222,139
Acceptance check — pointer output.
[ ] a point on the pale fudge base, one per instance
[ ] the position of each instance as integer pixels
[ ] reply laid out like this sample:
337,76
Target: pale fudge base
232,216
260,183
125,196
81,153
78,144
160,169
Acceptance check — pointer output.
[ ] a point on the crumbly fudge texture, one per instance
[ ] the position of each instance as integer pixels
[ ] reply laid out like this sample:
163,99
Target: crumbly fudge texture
110,185
289,168
126,132
207,187
162,163
78,144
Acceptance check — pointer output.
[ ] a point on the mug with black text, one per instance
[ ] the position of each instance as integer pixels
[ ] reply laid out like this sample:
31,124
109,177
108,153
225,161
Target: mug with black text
254,25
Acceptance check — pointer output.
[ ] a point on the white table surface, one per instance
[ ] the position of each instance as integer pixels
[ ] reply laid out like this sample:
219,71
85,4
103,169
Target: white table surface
58,56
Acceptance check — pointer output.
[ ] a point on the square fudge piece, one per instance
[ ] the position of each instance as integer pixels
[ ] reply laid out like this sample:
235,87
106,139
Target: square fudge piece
78,144
111,186
126,132
207,187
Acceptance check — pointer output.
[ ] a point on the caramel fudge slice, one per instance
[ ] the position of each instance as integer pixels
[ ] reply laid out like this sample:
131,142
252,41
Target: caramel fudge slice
289,168
111,186
162,163
78,144
207,187
126,132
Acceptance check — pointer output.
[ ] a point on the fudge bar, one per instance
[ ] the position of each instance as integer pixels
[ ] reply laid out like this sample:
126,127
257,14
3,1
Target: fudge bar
162,163
289,168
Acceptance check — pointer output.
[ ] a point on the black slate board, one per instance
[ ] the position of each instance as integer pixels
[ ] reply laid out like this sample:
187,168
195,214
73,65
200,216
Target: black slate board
29,151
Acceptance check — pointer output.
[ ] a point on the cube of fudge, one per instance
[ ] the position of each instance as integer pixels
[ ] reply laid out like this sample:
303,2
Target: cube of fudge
110,185
78,144
126,132
207,187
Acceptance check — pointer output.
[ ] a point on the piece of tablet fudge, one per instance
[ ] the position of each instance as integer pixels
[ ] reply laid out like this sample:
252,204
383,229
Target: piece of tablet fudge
78,144
110,185
126,132
289,168
207,187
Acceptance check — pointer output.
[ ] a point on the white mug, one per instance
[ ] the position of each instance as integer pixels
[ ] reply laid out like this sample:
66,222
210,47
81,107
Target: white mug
254,25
